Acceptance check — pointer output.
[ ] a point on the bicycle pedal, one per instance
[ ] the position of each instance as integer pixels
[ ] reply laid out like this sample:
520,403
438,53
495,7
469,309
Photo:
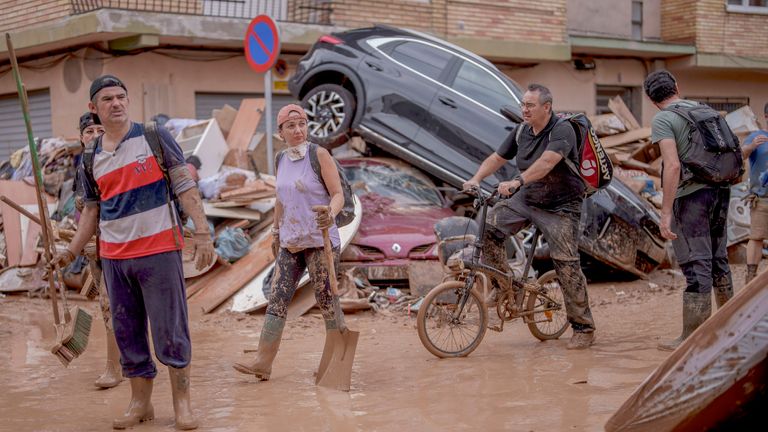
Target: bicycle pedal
496,328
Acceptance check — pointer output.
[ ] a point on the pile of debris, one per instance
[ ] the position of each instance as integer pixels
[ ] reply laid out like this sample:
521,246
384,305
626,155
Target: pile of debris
637,161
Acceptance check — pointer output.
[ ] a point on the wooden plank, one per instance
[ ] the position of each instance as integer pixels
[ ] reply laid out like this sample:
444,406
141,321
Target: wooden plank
24,195
29,254
245,124
648,152
626,137
231,213
225,117
256,186
216,290
617,106
655,169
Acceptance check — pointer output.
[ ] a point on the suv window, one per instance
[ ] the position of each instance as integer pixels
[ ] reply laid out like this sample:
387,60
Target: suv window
421,58
476,83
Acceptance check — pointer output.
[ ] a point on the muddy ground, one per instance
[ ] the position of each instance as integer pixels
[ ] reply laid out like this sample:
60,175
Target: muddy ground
511,382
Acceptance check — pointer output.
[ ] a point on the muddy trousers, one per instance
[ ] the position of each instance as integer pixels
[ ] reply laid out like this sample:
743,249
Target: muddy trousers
699,220
561,230
289,269
150,287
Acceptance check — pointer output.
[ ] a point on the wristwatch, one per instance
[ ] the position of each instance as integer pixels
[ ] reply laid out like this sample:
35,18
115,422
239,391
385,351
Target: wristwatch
519,178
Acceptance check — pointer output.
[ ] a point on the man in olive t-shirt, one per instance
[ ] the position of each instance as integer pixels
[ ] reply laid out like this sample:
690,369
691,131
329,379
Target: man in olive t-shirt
693,214
550,196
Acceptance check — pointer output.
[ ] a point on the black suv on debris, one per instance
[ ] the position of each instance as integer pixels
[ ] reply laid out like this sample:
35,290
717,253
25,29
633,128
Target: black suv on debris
396,88
438,107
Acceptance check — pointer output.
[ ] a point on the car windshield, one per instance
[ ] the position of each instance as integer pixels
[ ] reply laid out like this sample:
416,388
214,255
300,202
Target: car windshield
378,180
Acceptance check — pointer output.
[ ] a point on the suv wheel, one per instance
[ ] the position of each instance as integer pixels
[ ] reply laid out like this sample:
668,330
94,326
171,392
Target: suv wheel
329,108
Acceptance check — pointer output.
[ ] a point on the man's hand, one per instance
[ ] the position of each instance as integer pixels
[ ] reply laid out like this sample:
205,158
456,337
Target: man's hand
508,188
203,249
750,200
323,217
666,226
470,184
60,260
760,139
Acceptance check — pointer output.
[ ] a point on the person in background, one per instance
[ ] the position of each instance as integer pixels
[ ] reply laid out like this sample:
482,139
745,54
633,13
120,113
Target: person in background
755,148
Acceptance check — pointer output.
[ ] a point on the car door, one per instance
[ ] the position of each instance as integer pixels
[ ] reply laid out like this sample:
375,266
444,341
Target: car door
464,119
400,86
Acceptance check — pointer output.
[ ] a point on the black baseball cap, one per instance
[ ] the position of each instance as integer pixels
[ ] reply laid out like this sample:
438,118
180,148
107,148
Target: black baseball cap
105,81
88,119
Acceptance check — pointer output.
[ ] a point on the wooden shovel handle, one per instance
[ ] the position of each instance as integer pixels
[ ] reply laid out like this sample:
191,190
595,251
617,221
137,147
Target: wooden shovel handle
329,257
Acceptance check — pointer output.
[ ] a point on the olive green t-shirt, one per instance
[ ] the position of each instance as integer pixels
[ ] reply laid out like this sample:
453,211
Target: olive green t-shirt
667,124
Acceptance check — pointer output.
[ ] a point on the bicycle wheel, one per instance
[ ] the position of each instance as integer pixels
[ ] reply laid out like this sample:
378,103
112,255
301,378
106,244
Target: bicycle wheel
440,333
549,321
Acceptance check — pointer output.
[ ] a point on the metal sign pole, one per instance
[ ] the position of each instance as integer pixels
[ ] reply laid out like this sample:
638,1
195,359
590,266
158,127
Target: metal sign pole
268,103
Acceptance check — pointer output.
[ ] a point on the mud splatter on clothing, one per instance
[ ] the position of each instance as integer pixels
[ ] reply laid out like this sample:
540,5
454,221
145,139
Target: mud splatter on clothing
288,270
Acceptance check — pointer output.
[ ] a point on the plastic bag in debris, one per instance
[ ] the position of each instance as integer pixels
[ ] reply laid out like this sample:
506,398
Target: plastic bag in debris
232,244
211,186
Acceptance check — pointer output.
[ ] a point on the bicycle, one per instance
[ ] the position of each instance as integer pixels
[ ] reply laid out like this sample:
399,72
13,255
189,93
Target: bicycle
453,317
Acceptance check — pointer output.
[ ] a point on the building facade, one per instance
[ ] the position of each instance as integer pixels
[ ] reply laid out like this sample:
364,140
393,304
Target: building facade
184,57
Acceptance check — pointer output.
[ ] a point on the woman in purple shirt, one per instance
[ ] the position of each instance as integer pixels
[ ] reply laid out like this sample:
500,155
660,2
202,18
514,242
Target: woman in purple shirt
297,234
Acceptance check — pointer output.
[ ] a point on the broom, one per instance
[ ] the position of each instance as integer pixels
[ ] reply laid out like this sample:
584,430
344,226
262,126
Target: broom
72,333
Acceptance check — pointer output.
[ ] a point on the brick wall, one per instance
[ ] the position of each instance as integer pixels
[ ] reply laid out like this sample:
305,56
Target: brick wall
18,15
543,21
740,34
713,29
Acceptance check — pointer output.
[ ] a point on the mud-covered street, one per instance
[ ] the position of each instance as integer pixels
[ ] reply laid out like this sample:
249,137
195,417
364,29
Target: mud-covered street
512,382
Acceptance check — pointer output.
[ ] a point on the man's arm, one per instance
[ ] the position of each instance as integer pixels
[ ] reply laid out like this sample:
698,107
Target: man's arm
86,228
750,145
670,180
489,166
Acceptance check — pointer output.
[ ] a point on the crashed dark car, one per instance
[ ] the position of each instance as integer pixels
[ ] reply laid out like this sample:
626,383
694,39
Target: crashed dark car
439,107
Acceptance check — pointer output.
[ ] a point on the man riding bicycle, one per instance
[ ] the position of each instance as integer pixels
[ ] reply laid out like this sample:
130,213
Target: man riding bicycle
550,196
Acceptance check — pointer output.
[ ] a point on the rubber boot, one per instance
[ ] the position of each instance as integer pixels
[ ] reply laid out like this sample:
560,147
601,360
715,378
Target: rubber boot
697,307
269,343
751,273
113,374
140,408
723,291
185,419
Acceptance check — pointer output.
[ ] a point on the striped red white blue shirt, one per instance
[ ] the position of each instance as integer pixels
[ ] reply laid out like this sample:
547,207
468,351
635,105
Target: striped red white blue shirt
134,217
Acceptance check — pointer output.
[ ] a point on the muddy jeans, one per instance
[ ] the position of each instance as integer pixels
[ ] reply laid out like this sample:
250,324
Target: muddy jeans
150,287
699,220
561,230
288,270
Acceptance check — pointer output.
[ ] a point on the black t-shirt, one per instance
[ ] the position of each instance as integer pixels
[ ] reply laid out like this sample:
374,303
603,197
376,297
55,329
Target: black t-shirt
561,185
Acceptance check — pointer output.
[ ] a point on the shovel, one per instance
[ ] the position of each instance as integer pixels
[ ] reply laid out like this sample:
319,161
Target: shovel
335,369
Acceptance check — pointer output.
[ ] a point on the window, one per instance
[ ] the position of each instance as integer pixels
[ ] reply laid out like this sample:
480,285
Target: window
477,84
726,104
637,20
747,6
632,97
422,58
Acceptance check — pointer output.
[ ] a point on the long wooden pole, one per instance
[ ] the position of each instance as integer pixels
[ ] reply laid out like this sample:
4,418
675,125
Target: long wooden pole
41,202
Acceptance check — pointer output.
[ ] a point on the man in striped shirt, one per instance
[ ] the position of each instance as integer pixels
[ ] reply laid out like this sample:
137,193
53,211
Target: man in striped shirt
129,198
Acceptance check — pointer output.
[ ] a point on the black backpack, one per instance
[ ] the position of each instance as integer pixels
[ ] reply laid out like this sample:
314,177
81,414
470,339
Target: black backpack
347,213
715,157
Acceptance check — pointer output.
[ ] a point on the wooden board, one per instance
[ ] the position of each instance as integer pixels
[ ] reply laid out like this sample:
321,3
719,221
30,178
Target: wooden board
251,297
225,117
15,230
231,213
29,252
245,124
617,106
626,137
217,289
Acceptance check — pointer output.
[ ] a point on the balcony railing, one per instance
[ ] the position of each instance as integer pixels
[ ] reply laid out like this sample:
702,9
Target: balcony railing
298,11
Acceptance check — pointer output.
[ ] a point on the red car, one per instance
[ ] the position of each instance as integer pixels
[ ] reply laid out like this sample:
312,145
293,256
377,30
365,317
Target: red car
396,241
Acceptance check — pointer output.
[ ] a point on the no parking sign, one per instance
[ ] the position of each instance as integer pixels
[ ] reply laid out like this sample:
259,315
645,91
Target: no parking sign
261,43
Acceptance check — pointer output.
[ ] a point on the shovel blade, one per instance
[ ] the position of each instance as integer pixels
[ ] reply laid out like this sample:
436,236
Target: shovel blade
335,369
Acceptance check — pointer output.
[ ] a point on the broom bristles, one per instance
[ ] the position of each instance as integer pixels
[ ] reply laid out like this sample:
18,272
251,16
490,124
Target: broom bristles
77,331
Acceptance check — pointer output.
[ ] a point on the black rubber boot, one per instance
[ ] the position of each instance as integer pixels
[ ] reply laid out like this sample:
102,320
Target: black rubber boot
723,290
697,307
751,273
